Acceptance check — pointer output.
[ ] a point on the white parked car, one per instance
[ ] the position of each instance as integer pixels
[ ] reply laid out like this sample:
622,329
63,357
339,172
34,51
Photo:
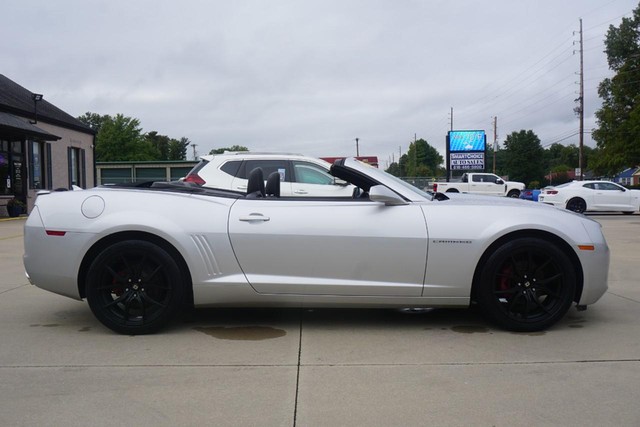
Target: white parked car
583,196
300,176
140,254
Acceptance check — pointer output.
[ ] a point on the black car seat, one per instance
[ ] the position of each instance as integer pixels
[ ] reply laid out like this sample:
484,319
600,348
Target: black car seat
273,185
255,185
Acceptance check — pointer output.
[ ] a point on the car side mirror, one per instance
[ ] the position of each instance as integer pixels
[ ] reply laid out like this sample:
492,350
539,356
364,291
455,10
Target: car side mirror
499,181
380,193
341,182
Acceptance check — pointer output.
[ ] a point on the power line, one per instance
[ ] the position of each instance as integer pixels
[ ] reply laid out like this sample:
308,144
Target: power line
560,140
505,90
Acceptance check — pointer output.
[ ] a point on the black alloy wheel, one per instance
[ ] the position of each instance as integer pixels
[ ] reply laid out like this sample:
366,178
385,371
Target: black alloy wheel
134,287
526,285
577,205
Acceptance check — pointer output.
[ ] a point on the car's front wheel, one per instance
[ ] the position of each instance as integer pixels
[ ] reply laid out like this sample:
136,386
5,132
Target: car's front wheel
514,194
527,284
134,287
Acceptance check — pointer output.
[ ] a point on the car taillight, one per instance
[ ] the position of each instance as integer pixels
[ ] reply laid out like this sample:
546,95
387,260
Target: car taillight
435,187
195,178
551,192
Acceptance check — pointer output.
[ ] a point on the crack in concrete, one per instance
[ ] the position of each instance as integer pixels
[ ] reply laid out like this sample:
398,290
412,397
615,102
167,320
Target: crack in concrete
295,405
623,297
330,365
13,289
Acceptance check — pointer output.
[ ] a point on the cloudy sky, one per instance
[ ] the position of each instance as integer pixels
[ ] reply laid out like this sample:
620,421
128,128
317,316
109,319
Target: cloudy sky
311,76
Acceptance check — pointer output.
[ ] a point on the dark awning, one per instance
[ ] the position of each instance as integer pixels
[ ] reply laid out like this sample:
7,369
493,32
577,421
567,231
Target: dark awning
13,127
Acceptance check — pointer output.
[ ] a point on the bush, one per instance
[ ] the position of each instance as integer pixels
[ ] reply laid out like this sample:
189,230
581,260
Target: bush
15,203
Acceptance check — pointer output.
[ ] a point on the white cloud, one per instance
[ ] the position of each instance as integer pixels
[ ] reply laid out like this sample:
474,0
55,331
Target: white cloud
312,76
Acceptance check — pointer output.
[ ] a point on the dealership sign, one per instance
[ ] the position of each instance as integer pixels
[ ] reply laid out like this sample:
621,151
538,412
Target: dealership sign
467,161
466,150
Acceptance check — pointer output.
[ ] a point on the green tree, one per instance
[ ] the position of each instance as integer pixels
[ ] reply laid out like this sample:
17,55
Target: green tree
524,157
232,148
421,160
500,160
121,139
93,120
566,157
618,131
394,169
178,149
160,143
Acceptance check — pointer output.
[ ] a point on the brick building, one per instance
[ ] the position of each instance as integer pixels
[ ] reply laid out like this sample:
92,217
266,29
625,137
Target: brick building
41,146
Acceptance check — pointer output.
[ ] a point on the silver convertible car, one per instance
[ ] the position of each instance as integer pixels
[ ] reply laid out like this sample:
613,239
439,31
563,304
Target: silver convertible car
140,254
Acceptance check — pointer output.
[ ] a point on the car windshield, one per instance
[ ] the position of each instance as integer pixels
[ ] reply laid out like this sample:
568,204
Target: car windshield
382,176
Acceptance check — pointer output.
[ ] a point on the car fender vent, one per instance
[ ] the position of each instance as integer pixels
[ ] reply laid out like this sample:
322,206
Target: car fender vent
206,253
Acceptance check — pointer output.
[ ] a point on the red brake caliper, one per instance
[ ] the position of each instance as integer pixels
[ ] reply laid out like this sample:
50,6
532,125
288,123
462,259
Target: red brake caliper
503,283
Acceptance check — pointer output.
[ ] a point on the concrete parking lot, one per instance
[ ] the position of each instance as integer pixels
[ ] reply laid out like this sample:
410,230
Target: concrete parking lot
271,367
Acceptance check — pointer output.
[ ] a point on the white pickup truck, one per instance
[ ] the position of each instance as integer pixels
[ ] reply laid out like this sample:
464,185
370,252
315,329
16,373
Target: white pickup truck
480,183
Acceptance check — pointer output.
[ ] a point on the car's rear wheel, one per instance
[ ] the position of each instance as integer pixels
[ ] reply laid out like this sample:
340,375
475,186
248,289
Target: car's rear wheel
134,287
628,212
452,190
577,205
527,284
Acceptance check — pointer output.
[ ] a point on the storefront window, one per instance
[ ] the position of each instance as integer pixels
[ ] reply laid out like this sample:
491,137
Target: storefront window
76,167
12,178
36,162
5,177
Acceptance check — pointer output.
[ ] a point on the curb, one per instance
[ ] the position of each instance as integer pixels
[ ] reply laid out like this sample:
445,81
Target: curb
13,219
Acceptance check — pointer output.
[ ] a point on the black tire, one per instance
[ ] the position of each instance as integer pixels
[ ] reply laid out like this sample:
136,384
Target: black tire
628,212
134,287
514,194
452,190
526,285
577,205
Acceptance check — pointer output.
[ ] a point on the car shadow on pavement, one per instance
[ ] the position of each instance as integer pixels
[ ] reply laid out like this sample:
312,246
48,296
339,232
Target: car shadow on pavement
336,318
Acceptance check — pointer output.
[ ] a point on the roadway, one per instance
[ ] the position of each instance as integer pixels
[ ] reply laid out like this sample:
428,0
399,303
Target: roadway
272,367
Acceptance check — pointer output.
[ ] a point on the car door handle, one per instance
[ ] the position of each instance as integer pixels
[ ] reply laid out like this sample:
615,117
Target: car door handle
242,187
254,217
301,192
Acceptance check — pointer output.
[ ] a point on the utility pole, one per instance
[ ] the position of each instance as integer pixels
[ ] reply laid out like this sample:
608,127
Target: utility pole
195,157
451,118
495,142
357,148
580,158
415,153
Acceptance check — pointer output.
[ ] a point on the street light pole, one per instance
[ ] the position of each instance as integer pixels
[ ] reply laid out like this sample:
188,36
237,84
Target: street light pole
357,148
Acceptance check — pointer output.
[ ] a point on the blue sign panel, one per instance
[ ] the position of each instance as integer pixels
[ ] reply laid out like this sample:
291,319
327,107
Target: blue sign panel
466,140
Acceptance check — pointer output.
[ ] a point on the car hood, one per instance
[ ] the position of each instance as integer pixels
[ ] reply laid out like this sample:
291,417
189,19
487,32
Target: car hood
474,199
495,202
